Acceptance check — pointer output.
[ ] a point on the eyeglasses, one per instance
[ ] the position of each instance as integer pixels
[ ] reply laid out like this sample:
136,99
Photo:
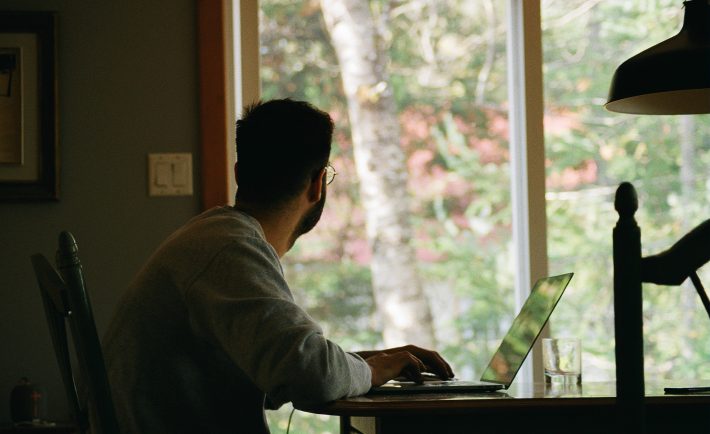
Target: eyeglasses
329,174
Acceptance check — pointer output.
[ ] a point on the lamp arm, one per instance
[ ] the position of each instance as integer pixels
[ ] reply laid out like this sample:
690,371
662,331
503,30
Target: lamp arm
676,264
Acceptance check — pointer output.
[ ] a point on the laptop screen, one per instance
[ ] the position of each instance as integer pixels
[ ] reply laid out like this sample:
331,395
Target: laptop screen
525,329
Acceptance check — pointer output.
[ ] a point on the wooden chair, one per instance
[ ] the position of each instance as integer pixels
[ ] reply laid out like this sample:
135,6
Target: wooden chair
66,300
670,267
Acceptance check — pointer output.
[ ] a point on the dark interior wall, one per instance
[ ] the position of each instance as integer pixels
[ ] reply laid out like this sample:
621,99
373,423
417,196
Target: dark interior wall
127,87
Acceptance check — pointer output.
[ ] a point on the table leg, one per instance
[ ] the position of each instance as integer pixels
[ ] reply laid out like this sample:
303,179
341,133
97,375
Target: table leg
358,425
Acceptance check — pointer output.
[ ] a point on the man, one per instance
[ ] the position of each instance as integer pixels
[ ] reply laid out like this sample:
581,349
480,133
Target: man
209,331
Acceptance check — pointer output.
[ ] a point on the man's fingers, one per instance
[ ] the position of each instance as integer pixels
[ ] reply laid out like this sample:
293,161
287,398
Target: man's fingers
438,366
411,366
385,367
435,363
443,366
409,361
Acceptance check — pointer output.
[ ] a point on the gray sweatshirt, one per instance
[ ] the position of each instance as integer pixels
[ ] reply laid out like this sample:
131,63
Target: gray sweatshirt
209,322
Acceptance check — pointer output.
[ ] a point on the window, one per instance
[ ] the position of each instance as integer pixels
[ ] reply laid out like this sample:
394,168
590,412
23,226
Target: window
424,161
446,70
589,152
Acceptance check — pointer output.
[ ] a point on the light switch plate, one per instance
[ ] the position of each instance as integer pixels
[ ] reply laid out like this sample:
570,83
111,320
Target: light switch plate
170,174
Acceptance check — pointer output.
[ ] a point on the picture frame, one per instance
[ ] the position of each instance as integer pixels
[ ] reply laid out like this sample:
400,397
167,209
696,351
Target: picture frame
29,163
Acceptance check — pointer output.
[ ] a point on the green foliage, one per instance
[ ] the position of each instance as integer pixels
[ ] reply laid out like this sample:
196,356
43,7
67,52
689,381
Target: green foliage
447,69
297,59
339,296
301,422
646,150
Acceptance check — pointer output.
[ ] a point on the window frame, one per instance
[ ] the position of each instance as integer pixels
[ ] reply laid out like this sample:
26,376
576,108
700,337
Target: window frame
213,101
527,157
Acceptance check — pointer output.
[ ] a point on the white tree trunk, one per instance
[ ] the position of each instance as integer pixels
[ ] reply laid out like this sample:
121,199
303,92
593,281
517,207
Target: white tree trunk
382,170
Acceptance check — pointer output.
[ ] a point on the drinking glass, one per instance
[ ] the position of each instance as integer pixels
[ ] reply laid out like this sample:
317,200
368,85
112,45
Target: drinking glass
562,360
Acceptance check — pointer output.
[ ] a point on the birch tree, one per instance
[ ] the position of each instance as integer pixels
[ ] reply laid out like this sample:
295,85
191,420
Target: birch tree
382,171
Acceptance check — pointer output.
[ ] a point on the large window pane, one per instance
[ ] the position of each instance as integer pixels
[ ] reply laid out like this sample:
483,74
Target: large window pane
442,63
589,152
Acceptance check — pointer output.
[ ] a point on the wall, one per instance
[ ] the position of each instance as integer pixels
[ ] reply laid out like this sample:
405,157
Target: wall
127,86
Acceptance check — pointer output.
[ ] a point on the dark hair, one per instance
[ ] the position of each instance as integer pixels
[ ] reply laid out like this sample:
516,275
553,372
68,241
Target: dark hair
281,145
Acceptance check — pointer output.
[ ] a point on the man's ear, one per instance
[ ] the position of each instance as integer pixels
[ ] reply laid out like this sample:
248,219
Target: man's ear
315,187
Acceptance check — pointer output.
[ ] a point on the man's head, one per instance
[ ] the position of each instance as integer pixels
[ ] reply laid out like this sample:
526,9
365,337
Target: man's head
281,146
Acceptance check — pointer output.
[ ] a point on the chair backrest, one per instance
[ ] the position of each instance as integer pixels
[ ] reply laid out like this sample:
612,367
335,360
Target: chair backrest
628,311
66,300
631,270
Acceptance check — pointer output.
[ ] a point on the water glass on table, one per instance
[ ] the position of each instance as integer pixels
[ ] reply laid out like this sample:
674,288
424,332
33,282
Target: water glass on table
562,360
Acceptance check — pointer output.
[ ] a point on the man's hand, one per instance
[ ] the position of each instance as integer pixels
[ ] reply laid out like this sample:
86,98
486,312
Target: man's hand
409,361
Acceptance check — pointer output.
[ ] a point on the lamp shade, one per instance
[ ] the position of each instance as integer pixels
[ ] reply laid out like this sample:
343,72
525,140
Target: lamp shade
672,77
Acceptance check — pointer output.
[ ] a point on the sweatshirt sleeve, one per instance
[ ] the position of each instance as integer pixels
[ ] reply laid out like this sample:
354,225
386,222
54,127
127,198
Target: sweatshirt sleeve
242,303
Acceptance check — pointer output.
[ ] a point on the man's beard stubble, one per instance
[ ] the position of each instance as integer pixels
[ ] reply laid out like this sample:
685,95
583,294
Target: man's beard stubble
310,219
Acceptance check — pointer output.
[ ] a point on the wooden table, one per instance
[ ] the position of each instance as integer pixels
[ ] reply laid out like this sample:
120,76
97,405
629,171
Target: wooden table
524,408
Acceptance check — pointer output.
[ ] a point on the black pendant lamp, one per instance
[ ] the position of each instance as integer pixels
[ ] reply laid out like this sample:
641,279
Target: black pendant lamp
672,77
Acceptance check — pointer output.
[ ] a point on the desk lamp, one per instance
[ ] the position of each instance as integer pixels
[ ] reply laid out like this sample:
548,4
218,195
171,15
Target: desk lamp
672,77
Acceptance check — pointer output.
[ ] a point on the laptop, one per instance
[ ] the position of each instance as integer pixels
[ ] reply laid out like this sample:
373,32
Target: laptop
511,352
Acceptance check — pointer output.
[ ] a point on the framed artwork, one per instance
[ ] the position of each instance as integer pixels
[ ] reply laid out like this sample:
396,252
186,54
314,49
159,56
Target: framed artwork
28,107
